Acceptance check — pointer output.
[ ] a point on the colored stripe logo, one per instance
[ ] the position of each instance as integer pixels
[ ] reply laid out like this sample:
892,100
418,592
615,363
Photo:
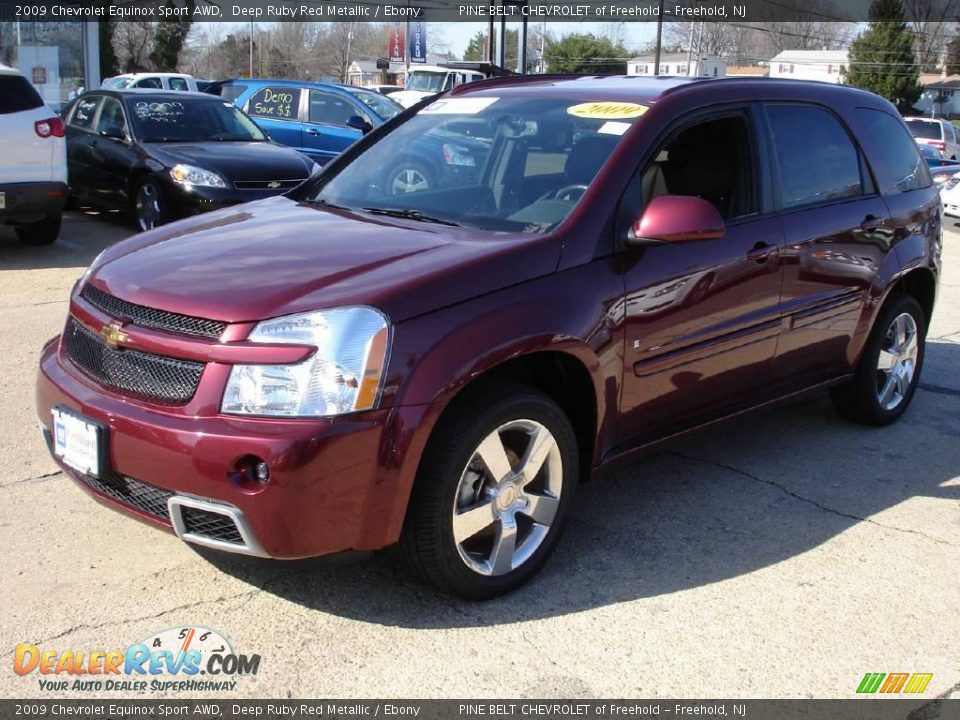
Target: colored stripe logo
892,683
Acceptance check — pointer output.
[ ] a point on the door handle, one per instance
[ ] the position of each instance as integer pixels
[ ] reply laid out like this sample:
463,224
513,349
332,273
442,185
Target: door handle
761,251
871,222
312,131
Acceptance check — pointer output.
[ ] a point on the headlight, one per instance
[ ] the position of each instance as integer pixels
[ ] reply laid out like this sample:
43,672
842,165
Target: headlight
344,374
89,271
191,175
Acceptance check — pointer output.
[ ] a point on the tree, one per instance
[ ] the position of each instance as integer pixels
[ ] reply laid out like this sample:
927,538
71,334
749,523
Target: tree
477,47
585,53
108,58
953,55
171,34
882,59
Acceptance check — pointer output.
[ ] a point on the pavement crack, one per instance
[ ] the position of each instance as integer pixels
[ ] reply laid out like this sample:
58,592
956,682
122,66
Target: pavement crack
939,389
809,501
28,481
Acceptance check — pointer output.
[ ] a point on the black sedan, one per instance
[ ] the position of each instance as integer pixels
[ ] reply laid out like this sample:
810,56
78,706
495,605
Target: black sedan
166,155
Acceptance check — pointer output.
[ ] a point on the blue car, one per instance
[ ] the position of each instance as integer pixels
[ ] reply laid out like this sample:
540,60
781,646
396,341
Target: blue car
320,120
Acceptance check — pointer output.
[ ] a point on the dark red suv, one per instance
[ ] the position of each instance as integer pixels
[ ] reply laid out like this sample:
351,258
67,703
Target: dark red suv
608,263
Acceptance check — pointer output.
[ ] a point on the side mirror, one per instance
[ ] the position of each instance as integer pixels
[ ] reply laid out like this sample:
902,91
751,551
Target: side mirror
677,218
358,123
114,132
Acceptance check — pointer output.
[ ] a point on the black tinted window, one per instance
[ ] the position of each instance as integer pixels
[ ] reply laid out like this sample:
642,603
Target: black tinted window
111,116
149,82
17,95
899,149
281,103
328,109
925,129
83,112
818,160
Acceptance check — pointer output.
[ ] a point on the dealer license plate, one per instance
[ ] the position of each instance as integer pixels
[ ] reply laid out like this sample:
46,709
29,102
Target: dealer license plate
76,441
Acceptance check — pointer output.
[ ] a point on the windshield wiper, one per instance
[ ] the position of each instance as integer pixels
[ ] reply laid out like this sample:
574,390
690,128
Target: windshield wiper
410,215
324,203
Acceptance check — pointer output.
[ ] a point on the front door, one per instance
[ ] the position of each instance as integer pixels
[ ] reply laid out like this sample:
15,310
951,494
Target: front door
326,133
702,317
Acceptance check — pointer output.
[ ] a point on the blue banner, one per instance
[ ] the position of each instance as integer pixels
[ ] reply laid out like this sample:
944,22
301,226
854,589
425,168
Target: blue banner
417,42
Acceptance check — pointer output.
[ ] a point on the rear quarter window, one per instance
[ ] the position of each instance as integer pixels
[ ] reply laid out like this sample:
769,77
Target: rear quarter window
17,95
83,112
900,152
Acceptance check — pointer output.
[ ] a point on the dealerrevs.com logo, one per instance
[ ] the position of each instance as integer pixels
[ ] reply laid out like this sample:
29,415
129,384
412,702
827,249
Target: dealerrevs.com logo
181,659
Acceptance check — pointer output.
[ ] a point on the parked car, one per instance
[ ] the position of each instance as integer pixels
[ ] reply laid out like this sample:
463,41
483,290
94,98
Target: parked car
180,82
941,169
164,155
940,134
33,161
320,120
343,368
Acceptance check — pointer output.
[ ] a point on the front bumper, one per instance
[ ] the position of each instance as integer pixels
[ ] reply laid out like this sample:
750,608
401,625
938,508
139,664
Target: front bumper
335,485
26,203
184,202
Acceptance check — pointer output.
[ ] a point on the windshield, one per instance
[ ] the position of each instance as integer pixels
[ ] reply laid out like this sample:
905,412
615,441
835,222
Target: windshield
191,120
116,83
383,107
925,129
516,164
426,81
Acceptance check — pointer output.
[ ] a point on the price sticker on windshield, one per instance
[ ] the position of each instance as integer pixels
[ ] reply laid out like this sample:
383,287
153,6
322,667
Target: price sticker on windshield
607,110
459,106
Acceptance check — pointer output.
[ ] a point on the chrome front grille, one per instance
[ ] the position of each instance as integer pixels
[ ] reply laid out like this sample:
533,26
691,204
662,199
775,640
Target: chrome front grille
267,184
150,317
156,378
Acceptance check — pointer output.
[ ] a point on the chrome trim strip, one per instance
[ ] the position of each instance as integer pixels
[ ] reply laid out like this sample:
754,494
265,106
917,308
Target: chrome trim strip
251,546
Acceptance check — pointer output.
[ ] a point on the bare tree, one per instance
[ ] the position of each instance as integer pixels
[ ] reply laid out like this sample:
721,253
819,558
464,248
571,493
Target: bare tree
132,43
931,21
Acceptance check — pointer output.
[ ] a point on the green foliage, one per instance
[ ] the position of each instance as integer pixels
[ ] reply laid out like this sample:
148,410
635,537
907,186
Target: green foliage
478,43
171,35
585,53
882,59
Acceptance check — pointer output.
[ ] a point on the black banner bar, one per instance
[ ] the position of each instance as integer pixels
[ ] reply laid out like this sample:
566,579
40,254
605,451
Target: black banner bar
219,709
384,11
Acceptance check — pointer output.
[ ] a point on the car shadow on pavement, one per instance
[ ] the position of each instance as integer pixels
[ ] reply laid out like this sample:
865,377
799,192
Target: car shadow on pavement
83,235
738,498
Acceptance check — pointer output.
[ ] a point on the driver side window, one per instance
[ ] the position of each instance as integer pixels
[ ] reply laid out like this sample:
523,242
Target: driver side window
710,160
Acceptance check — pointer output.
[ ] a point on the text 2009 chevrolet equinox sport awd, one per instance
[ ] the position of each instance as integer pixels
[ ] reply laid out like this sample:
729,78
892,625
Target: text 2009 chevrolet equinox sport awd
587,266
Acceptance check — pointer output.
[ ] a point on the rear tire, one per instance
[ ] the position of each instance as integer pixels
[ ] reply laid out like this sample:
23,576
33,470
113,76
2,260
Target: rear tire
493,493
889,369
44,232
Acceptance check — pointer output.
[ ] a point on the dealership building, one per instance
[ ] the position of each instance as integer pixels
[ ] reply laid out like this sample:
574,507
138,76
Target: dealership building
60,58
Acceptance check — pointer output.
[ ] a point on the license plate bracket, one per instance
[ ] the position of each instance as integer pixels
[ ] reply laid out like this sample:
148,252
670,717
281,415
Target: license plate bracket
79,441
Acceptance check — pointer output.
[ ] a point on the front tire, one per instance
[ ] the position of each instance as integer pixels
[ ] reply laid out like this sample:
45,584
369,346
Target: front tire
43,232
889,369
409,177
149,206
492,494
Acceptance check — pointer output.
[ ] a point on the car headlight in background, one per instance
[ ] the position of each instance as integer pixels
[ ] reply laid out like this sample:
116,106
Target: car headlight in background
192,175
344,375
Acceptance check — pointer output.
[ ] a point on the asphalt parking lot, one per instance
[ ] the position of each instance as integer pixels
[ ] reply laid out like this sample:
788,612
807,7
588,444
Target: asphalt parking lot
781,555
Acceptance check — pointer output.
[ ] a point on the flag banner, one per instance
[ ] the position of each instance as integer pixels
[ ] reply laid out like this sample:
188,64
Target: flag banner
396,46
418,42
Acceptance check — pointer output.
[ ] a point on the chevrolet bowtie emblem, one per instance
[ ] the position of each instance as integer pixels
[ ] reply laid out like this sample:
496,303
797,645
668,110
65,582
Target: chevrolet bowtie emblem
274,184
114,335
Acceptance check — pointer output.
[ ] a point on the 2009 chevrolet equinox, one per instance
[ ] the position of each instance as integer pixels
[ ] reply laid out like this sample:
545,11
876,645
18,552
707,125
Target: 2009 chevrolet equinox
600,264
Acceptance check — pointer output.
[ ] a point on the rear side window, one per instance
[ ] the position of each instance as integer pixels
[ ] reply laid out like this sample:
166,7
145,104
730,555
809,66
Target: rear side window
178,84
899,150
17,95
925,129
281,103
149,82
83,113
818,160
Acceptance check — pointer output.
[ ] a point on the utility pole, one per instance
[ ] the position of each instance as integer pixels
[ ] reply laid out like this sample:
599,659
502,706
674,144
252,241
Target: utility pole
656,55
251,48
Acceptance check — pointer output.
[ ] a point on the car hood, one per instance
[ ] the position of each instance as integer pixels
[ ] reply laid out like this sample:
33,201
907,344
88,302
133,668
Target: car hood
276,257
236,160
409,98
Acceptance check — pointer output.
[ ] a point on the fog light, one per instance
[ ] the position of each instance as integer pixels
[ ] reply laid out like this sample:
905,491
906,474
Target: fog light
250,473
262,471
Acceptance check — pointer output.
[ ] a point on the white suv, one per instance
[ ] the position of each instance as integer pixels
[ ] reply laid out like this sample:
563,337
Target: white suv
33,161
153,81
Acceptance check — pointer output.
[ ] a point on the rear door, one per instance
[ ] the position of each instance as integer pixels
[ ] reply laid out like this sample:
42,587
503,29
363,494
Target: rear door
326,133
24,155
112,158
837,233
276,109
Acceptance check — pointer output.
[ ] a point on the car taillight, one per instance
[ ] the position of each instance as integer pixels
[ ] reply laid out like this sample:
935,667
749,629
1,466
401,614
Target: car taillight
49,128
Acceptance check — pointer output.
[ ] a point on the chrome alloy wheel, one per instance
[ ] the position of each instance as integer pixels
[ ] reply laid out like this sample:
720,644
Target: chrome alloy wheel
408,180
148,206
507,497
897,362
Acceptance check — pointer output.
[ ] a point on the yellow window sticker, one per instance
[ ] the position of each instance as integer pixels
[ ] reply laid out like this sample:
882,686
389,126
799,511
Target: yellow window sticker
607,110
